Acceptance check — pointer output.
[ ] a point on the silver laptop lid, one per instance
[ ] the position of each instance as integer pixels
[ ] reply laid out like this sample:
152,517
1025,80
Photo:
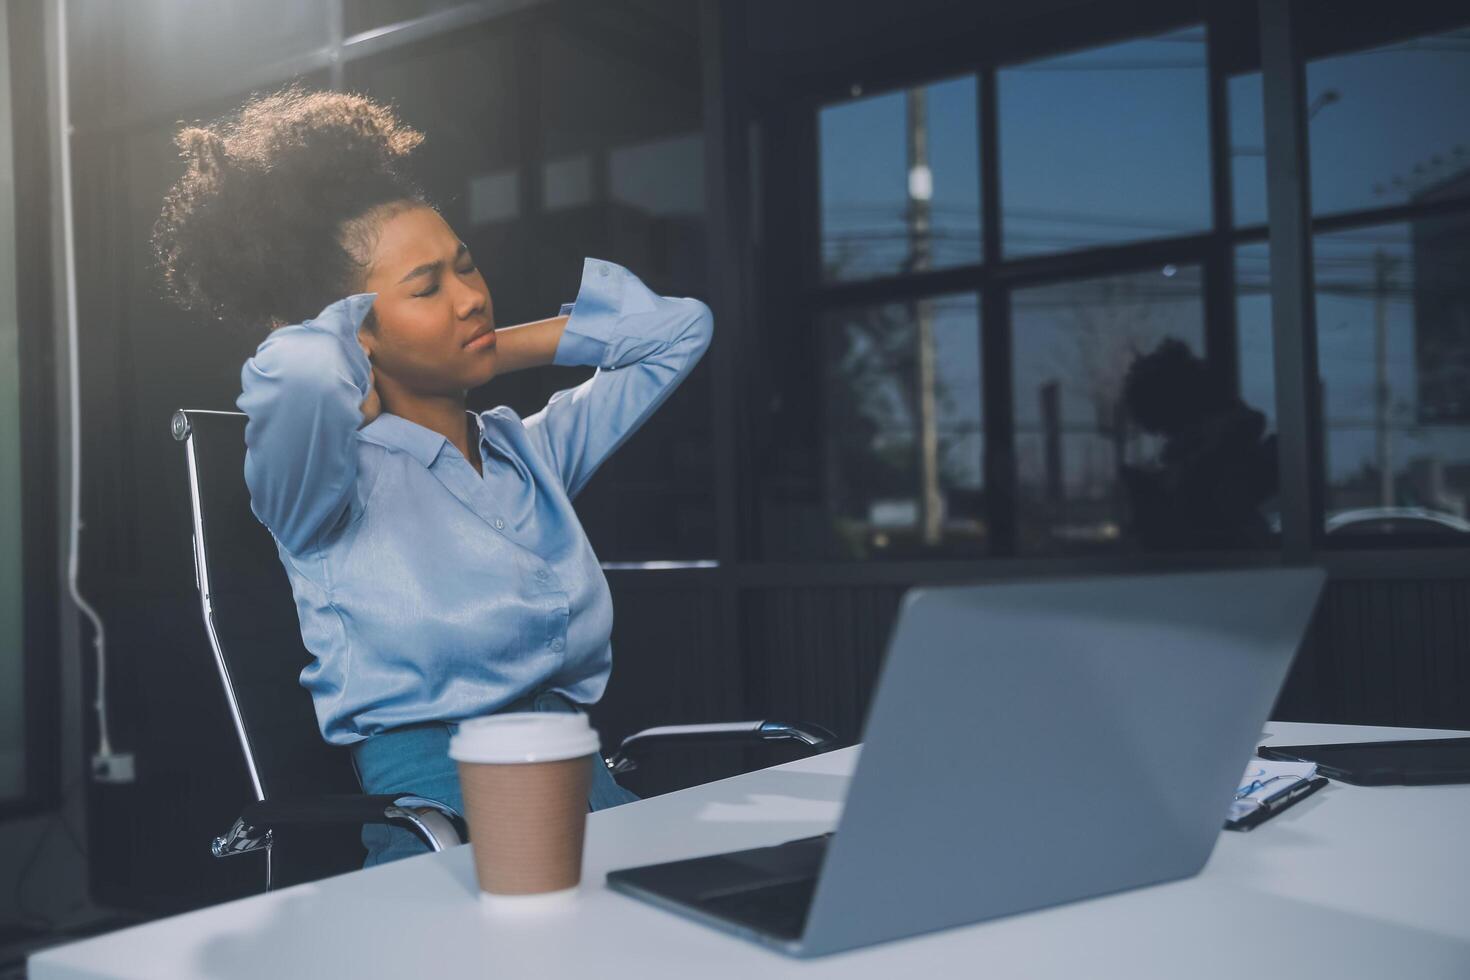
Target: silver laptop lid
1034,743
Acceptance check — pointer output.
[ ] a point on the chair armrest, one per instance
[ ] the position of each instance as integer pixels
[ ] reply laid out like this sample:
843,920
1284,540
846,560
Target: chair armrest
639,742
437,825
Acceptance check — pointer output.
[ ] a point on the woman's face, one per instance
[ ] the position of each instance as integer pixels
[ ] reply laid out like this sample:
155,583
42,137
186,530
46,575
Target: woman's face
431,300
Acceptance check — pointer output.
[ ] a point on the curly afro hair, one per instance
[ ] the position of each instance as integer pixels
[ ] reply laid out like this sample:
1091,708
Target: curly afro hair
275,215
1170,388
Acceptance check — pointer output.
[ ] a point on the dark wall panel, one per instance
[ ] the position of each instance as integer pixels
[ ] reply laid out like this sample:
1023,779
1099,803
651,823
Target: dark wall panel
813,654
149,839
1378,653
667,670
1385,653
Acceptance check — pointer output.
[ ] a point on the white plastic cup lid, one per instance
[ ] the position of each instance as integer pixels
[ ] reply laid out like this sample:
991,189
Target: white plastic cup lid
524,736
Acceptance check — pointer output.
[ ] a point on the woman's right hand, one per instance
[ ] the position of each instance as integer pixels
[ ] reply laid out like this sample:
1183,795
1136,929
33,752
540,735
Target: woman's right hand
372,406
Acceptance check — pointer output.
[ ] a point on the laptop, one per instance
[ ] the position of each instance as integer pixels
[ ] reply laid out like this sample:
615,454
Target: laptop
1028,744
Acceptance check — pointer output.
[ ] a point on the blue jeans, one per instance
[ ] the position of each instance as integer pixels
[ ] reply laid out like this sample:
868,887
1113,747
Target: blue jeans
415,759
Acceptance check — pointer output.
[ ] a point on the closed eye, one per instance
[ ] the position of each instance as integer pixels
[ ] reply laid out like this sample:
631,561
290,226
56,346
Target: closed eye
435,288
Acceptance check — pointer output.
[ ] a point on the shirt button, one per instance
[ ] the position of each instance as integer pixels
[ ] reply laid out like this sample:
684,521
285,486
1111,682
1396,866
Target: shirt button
602,270
556,644
541,574
499,524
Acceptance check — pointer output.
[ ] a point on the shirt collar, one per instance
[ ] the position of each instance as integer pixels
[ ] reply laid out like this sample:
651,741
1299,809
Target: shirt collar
419,442
397,432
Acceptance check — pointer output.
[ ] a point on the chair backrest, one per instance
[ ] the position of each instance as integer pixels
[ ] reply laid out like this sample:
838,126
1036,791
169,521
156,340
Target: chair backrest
250,615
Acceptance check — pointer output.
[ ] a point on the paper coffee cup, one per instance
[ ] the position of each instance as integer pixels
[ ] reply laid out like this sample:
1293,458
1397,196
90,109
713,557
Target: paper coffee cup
524,777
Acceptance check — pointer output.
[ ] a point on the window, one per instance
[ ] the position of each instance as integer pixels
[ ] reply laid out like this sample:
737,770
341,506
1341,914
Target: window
897,427
903,424
900,181
1125,437
13,713
622,142
476,181
1393,325
1247,150
1110,146
1386,125
160,53
1105,146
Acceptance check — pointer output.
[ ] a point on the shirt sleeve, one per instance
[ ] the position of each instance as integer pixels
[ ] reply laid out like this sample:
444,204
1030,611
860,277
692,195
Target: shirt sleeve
642,344
303,391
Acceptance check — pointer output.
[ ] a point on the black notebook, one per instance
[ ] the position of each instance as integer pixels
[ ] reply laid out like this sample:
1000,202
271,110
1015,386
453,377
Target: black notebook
1406,762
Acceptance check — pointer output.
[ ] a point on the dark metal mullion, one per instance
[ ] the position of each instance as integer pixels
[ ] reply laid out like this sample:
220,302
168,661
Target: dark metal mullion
1033,270
1103,260
367,44
727,199
1390,215
1347,220
1293,315
1222,340
894,288
1248,234
1396,563
817,575
40,342
438,23
996,386
1222,335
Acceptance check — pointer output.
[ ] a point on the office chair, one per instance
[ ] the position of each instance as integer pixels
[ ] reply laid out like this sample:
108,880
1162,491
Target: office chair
306,790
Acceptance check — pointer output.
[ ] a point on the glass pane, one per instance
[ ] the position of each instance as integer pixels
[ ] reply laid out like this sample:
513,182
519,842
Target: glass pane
622,176
12,648
1393,322
135,57
1104,146
900,181
1387,126
1125,439
893,465
454,92
1247,150
622,166
367,15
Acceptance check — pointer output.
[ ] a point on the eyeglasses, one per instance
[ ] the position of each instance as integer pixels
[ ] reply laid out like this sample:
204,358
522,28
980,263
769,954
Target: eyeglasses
1256,784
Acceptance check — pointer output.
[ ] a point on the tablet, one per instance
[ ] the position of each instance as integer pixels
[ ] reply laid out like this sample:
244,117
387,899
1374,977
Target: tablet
1407,762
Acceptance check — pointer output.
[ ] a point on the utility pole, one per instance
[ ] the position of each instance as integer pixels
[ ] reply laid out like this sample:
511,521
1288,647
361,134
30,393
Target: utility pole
920,192
1051,440
1382,395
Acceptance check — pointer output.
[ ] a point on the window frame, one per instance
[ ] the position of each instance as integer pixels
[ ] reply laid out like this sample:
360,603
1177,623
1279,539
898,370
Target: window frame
1231,50
38,350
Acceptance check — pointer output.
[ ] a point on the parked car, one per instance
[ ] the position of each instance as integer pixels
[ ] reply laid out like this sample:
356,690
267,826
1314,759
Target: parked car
1395,520
1387,520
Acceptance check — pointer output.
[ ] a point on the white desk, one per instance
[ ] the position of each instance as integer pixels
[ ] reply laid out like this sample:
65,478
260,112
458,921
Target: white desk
1352,882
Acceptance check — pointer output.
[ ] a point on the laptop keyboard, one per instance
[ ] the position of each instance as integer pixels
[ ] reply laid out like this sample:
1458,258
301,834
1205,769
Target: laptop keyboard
779,909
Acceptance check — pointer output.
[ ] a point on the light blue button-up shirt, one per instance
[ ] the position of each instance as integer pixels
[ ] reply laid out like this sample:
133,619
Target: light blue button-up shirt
426,591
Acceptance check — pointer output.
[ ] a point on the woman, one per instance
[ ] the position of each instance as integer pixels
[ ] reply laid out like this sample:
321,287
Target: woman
438,567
